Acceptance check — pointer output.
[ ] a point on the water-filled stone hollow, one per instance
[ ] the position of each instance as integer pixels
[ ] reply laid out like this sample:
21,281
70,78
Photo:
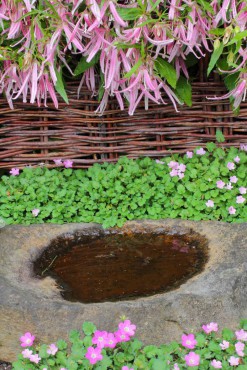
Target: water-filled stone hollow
115,265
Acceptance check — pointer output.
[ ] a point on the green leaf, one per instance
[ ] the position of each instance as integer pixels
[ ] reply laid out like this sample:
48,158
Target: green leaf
214,57
83,65
239,36
133,69
88,328
211,147
184,90
167,71
227,334
129,14
243,324
220,138
61,344
60,86
158,364
231,81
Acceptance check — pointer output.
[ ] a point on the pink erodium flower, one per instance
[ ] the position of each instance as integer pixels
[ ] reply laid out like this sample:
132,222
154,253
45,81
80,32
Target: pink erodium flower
121,336
237,159
35,358
230,166
159,162
173,173
27,340
93,355
110,340
189,341
189,155
192,359
233,361
173,165
216,364
58,162
231,210
99,338
27,353
127,327
68,163
210,203
233,179
241,335
176,367
52,350
240,199
239,346
35,212
209,328
14,171
127,368
224,344
220,184
229,186
200,151
242,190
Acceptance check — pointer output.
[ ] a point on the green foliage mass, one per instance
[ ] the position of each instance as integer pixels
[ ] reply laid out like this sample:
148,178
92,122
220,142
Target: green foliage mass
111,194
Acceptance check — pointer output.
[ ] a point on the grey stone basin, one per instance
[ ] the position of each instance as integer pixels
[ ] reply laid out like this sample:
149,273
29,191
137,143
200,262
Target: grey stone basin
218,293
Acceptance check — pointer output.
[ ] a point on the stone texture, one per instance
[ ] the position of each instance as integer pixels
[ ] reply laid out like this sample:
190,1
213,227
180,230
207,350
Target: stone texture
219,293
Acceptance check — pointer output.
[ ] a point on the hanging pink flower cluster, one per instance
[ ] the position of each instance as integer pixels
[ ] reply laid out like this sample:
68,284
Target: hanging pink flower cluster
135,51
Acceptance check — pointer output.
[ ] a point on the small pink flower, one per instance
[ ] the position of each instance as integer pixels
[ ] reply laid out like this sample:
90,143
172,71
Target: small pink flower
241,335
127,327
93,355
192,359
237,159
176,367
14,171
240,199
234,361
231,210
216,364
35,212
181,175
99,338
159,162
200,151
230,166
121,336
52,350
189,155
220,184
208,328
174,165
229,186
27,353
35,358
182,167
27,340
174,173
127,368
224,344
242,190
68,163
233,179
110,341
58,162
210,203
239,346
189,341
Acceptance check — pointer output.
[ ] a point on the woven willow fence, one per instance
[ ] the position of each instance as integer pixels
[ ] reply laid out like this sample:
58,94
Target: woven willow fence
30,135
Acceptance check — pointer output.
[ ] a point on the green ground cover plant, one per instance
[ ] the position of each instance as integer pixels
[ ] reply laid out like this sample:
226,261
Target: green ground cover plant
101,350
207,184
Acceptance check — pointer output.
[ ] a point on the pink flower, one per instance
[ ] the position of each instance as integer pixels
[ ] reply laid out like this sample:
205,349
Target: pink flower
27,353
127,328
210,203
231,210
240,199
189,155
121,336
52,350
239,346
229,186
189,341
230,166
192,359
216,364
14,171
35,358
127,368
220,184
233,179
200,151
242,190
110,341
35,212
234,361
99,338
68,163
159,162
180,175
243,147
241,335
93,355
174,165
27,340
208,328
224,344
58,162
176,367
237,159
173,173
182,167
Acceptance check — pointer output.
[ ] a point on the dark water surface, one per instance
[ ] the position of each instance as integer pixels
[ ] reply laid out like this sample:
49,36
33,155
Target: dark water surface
124,266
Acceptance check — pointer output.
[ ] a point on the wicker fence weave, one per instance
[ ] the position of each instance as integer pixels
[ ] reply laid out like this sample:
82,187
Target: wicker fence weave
30,135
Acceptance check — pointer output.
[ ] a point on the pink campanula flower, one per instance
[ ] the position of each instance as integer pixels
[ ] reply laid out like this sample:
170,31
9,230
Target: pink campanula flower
159,162
209,328
233,361
14,171
242,190
110,340
93,355
127,368
189,341
224,344
52,350
240,199
176,367
68,163
229,186
189,155
35,358
27,340
121,336
241,335
35,212
233,179
237,159
220,184
58,162
127,327
27,353
210,203
239,346
99,338
200,151
231,210
230,166
192,359
216,364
